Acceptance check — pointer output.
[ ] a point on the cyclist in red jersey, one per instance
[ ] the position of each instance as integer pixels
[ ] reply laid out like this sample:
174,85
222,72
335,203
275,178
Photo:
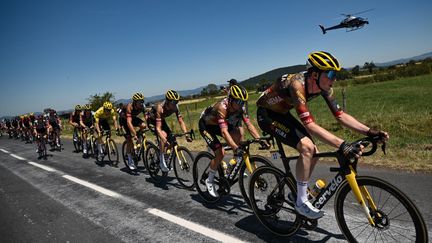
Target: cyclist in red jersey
294,91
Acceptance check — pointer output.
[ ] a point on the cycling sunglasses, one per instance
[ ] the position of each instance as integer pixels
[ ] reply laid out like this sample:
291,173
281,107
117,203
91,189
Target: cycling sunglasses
331,75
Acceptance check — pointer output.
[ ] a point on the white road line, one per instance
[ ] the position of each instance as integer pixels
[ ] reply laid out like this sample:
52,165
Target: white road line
93,186
219,236
214,234
17,157
4,151
44,167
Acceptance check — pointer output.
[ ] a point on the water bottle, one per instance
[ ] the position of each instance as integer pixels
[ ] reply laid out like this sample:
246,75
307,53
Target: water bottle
316,189
231,164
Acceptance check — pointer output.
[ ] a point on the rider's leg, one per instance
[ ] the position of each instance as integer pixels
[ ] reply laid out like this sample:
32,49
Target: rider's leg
162,147
304,167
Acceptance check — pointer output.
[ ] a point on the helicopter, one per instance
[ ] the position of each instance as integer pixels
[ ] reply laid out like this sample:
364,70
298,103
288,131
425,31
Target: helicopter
350,22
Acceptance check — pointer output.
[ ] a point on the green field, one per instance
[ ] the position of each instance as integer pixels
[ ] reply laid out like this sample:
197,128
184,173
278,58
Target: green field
402,107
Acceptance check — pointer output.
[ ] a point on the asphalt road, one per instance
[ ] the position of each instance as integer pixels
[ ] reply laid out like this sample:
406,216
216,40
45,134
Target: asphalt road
70,199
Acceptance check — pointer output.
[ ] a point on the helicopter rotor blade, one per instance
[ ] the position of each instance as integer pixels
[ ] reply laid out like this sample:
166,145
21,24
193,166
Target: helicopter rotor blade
364,11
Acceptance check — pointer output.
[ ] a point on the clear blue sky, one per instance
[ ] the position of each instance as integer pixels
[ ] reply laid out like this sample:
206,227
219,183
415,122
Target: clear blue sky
57,53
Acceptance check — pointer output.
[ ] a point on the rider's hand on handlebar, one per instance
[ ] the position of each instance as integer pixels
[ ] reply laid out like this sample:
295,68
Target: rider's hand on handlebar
378,133
188,138
351,150
264,144
239,152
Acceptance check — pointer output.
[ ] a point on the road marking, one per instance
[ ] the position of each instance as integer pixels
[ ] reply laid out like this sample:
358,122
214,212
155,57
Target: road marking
219,236
93,186
17,157
44,167
4,151
214,234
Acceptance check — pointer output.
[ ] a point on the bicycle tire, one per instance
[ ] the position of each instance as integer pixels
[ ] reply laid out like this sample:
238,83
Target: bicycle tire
200,174
152,163
268,191
347,208
124,155
183,172
256,161
112,152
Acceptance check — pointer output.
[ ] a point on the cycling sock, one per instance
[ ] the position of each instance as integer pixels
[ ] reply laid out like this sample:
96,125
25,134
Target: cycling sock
162,158
85,146
211,175
301,192
129,157
100,147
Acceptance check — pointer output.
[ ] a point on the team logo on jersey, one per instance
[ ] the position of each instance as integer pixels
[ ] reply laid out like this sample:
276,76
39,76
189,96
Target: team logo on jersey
274,100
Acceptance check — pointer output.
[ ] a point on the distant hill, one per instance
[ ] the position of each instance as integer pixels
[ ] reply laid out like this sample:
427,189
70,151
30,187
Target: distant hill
404,60
272,75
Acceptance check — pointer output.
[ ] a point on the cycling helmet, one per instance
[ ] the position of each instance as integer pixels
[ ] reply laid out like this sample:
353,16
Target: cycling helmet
87,107
78,108
239,93
172,95
138,97
107,105
324,61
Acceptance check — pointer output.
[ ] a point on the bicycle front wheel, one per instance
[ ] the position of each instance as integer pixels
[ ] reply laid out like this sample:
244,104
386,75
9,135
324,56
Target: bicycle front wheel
183,167
396,217
113,155
268,193
244,174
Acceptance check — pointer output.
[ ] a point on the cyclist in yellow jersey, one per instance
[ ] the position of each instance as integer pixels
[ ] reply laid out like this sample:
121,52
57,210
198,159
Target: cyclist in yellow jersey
157,117
101,117
293,91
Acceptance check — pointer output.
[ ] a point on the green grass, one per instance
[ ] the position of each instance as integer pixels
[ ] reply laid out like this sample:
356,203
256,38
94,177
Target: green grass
402,107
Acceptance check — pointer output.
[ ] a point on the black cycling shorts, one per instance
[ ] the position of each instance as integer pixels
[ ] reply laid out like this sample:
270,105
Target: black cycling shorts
165,127
284,127
210,133
103,123
136,122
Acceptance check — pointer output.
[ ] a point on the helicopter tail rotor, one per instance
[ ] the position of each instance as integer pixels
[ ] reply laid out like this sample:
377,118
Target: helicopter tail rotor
323,29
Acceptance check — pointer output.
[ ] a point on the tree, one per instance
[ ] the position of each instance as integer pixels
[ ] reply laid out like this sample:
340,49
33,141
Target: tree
355,70
369,66
97,100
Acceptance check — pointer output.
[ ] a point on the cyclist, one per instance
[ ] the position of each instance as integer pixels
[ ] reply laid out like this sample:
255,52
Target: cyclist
128,120
294,91
156,117
40,129
74,120
86,122
54,124
223,119
101,117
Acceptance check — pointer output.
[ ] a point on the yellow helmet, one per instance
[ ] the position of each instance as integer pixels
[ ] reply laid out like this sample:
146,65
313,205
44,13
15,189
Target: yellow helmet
87,107
78,108
172,95
138,97
107,105
239,93
323,61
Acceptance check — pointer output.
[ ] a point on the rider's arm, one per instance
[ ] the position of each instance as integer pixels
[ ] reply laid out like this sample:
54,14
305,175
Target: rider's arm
251,128
114,117
81,122
129,119
158,127
181,121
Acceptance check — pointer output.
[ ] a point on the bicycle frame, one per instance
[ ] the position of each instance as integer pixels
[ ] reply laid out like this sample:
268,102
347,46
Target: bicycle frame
346,172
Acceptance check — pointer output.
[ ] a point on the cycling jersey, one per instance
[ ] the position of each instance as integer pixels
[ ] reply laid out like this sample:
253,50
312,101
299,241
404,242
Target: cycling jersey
87,118
218,114
159,112
289,92
75,117
102,115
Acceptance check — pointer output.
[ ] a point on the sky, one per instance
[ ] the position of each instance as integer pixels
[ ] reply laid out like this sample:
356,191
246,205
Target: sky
56,53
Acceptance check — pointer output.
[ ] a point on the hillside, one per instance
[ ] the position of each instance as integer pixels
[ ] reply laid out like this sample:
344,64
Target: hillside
273,74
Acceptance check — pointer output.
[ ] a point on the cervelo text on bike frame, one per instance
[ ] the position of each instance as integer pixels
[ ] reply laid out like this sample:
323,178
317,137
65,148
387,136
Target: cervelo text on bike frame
330,189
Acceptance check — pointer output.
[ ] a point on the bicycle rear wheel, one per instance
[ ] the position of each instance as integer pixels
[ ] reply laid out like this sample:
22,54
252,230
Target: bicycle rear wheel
244,174
201,168
183,167
268,191
396,219
151,163
112,151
